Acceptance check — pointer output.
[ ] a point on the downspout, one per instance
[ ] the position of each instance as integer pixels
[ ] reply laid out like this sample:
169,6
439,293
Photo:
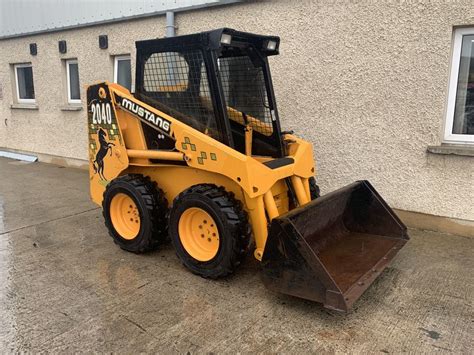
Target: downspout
170,27
170,32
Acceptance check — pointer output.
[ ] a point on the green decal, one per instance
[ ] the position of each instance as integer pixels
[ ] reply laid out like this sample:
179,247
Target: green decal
187,142
202,157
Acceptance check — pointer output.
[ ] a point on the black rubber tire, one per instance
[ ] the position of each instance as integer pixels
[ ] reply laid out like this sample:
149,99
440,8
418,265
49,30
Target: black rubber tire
231,221
152,207
314,189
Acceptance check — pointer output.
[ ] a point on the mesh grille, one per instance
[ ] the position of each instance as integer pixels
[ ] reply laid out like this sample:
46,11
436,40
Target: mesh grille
177,84
245,93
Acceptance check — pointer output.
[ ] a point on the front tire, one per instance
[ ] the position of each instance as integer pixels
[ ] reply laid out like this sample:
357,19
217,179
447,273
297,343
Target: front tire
209,230
134,211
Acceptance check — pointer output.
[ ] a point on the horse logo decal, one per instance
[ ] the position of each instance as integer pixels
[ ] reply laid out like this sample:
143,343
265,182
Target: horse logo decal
105,146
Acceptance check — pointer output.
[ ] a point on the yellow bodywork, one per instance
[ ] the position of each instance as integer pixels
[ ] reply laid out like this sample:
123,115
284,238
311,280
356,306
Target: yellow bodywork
262,190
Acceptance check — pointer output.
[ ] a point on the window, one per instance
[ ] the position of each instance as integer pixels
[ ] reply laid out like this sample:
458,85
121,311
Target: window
123,71
176,83
25,89
245,93
166,72
460,112
73,87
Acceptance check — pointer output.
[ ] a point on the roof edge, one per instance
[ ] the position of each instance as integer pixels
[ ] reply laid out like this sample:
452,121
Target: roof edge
121,19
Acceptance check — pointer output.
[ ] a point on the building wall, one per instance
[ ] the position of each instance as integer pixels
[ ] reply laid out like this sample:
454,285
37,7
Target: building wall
366,83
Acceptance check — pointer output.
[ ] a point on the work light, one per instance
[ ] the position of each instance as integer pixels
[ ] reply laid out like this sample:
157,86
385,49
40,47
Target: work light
226,39
271,45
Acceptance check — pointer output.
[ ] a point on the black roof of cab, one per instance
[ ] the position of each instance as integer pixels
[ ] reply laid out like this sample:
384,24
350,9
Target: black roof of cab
211,40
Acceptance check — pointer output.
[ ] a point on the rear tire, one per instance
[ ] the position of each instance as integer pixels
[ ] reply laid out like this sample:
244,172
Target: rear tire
314,189
209,230
134,211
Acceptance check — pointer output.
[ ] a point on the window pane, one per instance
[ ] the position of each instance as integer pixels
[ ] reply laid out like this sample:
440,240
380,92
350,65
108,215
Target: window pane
124,73
166,72
245,93
74,89
177,84
464,110
26,89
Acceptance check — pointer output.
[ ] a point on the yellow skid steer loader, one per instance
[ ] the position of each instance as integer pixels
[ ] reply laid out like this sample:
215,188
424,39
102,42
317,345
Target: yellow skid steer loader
197,154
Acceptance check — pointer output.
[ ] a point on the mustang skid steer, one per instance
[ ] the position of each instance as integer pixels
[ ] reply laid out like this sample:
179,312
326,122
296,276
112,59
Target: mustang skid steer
197,154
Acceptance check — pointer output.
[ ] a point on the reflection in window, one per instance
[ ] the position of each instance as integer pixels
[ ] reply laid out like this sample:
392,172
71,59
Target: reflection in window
73,87
123,71
24,83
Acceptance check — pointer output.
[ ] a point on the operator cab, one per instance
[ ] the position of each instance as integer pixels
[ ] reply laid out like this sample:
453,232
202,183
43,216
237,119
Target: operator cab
217,82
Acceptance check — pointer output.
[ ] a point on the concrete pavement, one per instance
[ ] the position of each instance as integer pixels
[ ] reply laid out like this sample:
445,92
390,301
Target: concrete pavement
65,287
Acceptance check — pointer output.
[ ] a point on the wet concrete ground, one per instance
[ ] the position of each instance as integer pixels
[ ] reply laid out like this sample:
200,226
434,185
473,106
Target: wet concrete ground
65,287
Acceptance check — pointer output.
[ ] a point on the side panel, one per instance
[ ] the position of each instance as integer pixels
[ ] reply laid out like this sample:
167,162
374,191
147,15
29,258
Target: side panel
107,152
205,153
175,179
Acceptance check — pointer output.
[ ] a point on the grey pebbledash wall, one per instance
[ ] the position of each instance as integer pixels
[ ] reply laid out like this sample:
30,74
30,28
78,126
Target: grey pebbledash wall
366,82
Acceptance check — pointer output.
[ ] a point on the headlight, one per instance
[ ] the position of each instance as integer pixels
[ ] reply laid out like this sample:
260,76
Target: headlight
271,45
226,39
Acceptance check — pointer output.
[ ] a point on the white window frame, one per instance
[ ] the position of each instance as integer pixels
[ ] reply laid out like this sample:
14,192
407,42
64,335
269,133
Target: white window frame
71,101
23,101
118,58
450,137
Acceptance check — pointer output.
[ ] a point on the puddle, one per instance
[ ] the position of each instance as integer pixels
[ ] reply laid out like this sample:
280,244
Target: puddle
431,333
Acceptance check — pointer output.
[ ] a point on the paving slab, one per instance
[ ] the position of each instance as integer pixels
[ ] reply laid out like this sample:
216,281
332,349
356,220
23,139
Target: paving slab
65,287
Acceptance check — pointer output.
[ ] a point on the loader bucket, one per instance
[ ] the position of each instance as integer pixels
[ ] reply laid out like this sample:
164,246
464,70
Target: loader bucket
332,249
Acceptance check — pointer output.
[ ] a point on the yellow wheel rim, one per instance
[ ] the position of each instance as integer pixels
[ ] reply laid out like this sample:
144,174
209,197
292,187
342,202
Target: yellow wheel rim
125,216
198,234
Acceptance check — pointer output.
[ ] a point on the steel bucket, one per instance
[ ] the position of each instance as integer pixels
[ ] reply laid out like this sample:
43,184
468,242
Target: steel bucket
332,249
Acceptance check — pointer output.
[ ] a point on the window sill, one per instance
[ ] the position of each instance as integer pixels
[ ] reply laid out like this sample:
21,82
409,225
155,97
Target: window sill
71,108
452,149
24,106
